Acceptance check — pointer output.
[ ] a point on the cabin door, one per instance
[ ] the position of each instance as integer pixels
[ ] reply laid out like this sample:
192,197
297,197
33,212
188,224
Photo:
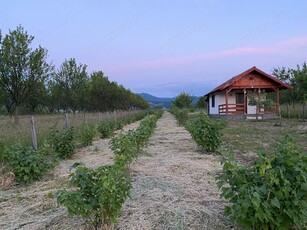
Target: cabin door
241,108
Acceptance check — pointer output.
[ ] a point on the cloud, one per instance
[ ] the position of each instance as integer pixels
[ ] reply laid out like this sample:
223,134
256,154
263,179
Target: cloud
282,47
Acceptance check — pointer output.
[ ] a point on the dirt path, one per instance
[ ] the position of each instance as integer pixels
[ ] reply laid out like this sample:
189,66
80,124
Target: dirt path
173,184
34,206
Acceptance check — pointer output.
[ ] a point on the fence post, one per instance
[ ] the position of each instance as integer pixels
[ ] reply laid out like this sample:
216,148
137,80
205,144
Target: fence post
34,138
107,115
115,115
66,121
99,117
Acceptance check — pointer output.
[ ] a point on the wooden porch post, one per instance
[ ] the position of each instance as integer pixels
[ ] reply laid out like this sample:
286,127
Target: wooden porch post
244,105
226,100
277,100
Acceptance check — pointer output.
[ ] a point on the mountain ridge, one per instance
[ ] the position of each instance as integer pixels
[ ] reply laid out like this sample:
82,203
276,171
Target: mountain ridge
154,101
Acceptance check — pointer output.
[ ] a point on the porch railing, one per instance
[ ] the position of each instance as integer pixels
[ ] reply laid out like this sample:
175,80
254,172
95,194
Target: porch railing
239,109
231,109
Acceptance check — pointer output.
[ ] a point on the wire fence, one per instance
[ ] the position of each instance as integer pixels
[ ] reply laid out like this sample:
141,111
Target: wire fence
10,132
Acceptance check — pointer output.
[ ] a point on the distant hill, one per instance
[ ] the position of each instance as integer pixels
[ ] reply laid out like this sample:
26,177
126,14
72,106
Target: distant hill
161,101
157,101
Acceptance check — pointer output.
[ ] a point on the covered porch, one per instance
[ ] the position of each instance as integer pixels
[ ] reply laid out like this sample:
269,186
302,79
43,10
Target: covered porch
237,101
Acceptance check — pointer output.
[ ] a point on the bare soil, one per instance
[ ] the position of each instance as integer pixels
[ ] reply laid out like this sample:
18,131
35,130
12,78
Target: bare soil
173,187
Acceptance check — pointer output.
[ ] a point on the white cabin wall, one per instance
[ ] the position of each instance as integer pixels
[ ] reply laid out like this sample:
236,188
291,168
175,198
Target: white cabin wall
214,110
221,98
232,97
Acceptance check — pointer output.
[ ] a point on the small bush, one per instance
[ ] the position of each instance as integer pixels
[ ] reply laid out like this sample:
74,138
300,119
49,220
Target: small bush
99,194
62,142
124,146
270,195
181,115
26,163
88,132
206,133
106,128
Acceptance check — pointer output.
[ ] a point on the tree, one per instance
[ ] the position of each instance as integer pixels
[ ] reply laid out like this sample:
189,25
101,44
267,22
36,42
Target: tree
201,103
259,102
183,100
99,91
70,84
300,78
21,68
286,75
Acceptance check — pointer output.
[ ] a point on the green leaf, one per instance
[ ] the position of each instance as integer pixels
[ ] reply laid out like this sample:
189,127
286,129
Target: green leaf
275,202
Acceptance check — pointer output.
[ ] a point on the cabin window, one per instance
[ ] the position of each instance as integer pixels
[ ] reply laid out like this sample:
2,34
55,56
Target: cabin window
213,101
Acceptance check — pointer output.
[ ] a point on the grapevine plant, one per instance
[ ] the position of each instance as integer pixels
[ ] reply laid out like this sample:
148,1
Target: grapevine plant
206,132
98,194
270,195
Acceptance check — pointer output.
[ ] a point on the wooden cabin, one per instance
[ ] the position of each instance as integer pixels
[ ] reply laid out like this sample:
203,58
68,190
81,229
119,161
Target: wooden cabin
231,99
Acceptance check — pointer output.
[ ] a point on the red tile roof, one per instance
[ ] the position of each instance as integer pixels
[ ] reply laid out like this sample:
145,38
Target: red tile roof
234,79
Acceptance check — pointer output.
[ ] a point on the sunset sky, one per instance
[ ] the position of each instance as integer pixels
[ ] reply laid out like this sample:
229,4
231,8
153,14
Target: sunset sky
164,47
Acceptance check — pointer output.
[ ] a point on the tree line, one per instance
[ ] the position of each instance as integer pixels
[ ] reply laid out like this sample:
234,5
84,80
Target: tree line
29,83
298,79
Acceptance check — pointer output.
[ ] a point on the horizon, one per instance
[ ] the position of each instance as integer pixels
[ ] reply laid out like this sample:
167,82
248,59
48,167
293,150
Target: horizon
165,48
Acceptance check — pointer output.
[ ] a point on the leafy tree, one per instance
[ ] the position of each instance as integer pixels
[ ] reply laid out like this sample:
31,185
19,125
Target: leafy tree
300,75
183,100
286,75
259,102
7,102
295,77
70,84
201,103
21,68
99,91
106,95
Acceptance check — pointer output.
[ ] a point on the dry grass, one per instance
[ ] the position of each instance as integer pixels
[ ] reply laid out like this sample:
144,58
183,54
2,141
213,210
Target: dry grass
173,184
173,180
35,207
173,188
10,132
6,178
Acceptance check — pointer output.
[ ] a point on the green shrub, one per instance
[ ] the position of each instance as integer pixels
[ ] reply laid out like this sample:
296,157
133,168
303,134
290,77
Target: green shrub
88,132
124,147
181,115
206,132
62,142
98,195
127,145
106,128
26,163
270,195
